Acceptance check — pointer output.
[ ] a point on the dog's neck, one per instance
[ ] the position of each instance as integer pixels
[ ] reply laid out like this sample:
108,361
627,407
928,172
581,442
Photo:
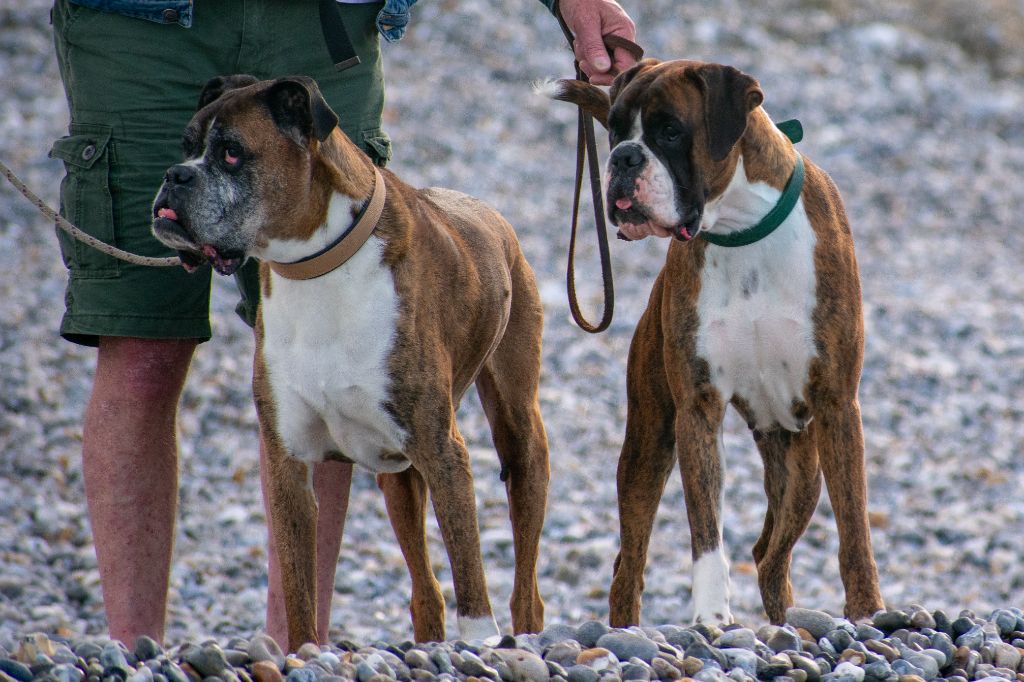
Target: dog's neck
764,160
348,180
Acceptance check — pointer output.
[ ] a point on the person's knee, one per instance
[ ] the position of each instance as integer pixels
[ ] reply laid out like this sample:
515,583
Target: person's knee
150,370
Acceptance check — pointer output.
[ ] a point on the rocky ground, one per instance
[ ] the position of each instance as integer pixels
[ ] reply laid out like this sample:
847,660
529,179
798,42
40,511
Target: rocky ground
913,107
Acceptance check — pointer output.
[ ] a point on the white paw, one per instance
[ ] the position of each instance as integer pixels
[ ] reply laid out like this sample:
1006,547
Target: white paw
711,589
481,628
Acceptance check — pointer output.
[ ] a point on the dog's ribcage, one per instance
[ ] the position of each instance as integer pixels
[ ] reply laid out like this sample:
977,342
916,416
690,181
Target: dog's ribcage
327,343
755,307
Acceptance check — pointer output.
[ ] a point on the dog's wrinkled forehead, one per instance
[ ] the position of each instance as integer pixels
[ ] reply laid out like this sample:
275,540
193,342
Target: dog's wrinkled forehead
229,114
656,90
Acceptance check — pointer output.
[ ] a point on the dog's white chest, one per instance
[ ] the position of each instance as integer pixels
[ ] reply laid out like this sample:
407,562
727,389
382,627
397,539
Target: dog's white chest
327,343
756,330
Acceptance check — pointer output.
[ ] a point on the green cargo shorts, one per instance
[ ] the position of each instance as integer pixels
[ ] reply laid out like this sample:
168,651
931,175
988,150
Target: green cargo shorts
132,85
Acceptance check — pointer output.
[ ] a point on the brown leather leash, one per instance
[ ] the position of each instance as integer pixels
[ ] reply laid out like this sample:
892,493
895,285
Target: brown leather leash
586,150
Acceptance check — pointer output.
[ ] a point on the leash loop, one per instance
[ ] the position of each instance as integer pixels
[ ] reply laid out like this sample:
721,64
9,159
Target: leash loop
586,151
79,234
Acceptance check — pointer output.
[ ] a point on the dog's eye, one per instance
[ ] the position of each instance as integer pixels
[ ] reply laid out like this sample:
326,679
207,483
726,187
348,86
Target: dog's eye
232,154
670,134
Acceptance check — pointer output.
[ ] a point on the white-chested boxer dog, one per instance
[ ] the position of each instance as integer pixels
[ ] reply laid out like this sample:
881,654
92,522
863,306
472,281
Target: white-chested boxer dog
762,311
376,316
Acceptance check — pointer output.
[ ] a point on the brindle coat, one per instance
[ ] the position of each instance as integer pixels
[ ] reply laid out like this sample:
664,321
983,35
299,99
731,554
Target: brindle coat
674,410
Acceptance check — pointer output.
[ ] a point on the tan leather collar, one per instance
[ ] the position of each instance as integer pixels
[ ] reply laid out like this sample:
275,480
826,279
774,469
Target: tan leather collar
333,256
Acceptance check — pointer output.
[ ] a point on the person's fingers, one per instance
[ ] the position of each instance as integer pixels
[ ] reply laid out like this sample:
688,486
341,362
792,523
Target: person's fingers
590,50
623,60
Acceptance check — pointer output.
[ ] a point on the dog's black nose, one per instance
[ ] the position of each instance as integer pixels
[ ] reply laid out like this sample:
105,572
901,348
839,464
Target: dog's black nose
625,157
180,175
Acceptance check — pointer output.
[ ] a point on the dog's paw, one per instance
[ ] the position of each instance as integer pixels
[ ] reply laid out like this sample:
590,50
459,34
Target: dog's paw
481,628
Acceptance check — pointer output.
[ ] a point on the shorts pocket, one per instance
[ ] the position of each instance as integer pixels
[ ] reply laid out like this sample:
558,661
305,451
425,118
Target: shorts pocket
85,199
377,144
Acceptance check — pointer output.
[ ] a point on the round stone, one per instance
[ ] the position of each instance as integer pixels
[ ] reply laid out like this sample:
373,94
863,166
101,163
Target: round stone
582,673
889,621
739,638
627,645
523,665
591,631
598,659
818,623
266,671
564,653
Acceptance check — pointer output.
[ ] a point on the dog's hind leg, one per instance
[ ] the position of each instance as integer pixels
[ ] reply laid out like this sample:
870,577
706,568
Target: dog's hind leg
645,463
841,449
439,453
508,385
405,495
792,481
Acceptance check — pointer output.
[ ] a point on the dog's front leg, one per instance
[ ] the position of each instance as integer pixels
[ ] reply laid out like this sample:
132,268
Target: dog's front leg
645,464
697,424
450,480
293,512
841,453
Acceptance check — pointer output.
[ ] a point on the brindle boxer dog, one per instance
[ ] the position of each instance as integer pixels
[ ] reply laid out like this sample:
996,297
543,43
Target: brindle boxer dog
762,312
376,316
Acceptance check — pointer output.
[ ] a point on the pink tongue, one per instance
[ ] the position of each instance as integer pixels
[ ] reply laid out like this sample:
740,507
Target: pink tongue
623,203
209,251
167,213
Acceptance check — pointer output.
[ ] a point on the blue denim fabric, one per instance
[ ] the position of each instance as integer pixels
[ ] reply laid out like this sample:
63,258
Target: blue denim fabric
391,22
160,11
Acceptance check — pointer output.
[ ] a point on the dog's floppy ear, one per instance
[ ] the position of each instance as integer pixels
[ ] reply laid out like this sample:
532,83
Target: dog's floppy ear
300,110
590,98
218,85
627,76
729,96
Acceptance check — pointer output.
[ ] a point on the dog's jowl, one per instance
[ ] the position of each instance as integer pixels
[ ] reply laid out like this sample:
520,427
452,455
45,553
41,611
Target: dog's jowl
758,305
380,305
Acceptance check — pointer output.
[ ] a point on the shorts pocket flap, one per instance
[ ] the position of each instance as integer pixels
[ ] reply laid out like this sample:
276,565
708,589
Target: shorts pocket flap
83,147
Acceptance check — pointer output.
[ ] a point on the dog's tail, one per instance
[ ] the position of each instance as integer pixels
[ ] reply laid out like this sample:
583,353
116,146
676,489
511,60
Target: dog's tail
590,98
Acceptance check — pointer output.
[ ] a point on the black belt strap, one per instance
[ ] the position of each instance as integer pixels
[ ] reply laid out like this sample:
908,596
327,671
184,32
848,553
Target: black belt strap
338,43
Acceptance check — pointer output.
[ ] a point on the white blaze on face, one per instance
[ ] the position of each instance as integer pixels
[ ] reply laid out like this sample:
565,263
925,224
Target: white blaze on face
655,192
711,588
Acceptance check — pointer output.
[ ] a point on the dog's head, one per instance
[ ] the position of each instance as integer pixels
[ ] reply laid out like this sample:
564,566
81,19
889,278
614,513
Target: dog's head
249,153
673,130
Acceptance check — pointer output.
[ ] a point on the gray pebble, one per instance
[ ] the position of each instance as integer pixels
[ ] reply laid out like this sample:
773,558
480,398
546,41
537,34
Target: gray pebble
888,621
443,661
146,648
556,633
665,670
564,653
738,638
626,645
706,652
589,632
582,673
112,656
743,659
265,648
208,660
419,659
633,671
818,623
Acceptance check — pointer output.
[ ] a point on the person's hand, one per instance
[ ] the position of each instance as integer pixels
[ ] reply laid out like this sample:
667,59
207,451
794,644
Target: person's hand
590,21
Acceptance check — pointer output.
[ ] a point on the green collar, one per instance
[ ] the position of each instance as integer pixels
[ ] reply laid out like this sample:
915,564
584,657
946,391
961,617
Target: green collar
775,217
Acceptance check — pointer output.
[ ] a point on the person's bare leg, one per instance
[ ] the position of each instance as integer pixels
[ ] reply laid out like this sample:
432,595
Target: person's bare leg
130,467
331,485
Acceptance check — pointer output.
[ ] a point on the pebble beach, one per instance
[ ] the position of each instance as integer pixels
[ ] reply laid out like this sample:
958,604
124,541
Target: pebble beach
913,107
